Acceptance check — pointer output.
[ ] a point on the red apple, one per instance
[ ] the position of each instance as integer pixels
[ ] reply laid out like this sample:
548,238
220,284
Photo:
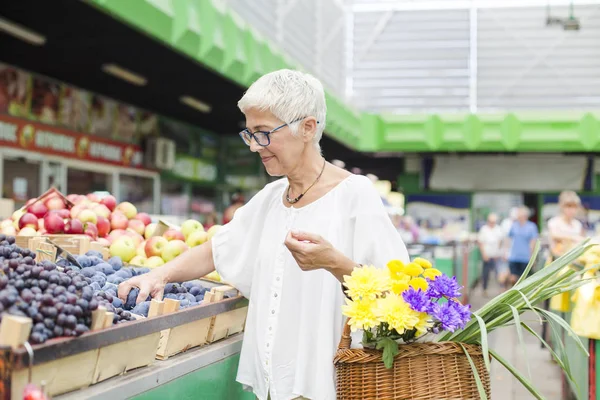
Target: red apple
38,209
53,223
93,197
28,219
40,223
110,202
87,216
144,217
74,227
30,202
118,220
137,238
128,209
115,234
173,234
103,225
91,230
155,245
137,226
101,210
64,213
55,203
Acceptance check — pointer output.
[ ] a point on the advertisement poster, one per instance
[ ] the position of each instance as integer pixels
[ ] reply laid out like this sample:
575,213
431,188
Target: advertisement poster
208,145
45,95
148,124
21,134
102,116
126,123
445,217
14,91
589,215
75,108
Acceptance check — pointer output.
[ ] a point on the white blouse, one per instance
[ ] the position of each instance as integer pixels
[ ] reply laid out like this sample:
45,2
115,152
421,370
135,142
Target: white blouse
294,321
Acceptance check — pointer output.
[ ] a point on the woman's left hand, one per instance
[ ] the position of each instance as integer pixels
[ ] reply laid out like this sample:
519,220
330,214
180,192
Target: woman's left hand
311,251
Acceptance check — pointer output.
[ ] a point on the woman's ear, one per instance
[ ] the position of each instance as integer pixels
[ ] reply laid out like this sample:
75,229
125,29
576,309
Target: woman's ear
309,129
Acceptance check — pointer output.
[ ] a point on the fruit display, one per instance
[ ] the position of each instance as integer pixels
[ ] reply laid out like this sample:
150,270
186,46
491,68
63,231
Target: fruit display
59,300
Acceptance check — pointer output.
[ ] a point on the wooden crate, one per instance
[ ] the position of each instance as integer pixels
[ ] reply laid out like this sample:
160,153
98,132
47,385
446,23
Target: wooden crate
74,244
200,332
227,323
118,358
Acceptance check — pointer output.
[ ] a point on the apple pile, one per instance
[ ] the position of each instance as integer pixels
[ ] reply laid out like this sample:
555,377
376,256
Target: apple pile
152,251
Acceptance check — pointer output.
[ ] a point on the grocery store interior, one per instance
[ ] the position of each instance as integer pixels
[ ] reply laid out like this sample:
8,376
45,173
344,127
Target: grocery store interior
464,114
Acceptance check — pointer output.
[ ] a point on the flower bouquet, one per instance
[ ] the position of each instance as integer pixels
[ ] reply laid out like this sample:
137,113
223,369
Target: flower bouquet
420,342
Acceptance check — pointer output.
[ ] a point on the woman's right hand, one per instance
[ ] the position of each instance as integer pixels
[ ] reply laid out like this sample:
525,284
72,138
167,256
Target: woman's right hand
150,284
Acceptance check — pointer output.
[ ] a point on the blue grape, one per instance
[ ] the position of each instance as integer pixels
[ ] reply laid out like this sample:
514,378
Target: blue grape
184,303
124,273
61,262
189,297
142,308
169,288
200,298
116,263
84,261
113,293
131,297
95,286
171,296
140,271
188,285
110,286
94,253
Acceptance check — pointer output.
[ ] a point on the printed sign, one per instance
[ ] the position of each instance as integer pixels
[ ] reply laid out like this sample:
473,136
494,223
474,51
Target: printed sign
60,142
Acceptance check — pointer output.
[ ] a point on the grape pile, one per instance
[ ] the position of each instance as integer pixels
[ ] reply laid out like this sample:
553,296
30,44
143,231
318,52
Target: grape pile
60,303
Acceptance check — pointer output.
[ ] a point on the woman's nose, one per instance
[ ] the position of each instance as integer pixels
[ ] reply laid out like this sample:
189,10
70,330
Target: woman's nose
254,146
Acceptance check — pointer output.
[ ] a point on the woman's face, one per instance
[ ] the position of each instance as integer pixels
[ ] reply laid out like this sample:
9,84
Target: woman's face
285,150
570,209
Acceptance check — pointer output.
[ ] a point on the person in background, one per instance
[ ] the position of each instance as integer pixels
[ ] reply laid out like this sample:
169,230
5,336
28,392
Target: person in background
490,239
210,221
237,201
524,234
565,230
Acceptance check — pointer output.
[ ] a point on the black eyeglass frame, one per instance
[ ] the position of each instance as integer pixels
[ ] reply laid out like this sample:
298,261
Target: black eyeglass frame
247,136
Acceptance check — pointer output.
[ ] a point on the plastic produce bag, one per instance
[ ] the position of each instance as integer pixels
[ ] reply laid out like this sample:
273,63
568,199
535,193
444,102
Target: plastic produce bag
585,318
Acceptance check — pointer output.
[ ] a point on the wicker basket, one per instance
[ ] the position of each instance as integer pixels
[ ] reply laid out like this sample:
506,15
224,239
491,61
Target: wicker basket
421,371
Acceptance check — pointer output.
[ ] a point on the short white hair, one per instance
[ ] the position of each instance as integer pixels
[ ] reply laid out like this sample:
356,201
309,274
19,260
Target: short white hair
289,96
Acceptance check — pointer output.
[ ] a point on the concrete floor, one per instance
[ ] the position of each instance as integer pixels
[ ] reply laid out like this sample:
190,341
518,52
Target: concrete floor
545,374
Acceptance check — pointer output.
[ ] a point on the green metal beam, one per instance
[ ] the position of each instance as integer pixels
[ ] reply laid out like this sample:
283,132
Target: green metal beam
222,42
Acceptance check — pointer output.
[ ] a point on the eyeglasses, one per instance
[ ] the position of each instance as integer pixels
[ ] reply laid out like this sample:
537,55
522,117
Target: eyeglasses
262,138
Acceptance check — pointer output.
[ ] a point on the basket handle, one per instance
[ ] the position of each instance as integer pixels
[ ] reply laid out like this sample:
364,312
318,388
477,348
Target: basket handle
346,339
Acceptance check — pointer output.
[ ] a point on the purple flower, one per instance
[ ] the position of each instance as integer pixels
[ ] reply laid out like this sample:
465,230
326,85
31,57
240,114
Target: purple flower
417,299
443,286
451,315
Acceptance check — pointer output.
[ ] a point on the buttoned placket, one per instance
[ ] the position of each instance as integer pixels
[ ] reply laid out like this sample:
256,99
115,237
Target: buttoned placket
275,296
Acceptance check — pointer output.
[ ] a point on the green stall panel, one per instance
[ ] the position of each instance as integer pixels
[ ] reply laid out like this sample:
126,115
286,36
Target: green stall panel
215,381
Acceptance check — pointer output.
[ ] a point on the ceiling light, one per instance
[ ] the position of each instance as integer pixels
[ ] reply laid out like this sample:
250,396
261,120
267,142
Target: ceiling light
20,32
124,74
195,103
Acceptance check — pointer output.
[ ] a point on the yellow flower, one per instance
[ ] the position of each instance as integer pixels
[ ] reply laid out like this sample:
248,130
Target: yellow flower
395,266
399,286
393,310
413,269
419,283
423,324
422,262
431,273
367,283
361,314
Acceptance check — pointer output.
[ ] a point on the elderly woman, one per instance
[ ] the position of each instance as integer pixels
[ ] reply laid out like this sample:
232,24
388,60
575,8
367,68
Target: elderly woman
564,230
289,247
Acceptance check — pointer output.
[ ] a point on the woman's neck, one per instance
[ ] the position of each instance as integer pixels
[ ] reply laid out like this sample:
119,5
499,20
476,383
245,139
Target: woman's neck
567,219
306,172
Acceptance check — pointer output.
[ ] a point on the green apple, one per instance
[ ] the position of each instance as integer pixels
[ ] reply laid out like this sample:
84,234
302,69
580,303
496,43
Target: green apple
190,226
154,262
213,231
150,230
196,238
138,261
155,245
123,247
173,249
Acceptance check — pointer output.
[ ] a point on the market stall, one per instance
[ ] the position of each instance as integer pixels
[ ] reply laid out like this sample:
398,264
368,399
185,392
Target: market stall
66,330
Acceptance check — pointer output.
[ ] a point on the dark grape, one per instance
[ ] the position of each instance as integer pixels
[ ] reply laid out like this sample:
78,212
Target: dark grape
3,281
36,271
84,304
65,280
80,329
77,311
44,274
10,239
43,284
47,300
58,331
51,312
70,322
71,298
68,309
20,269
36,338
71,289
27,295
59,306
93,305
28,260
19,284
61,319
49,323
48,265
38,296
61,298
54,279
67,332
14,255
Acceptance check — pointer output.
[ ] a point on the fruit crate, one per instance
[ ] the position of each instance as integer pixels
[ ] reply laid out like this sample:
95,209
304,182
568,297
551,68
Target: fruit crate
67,364
203,331
74,244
